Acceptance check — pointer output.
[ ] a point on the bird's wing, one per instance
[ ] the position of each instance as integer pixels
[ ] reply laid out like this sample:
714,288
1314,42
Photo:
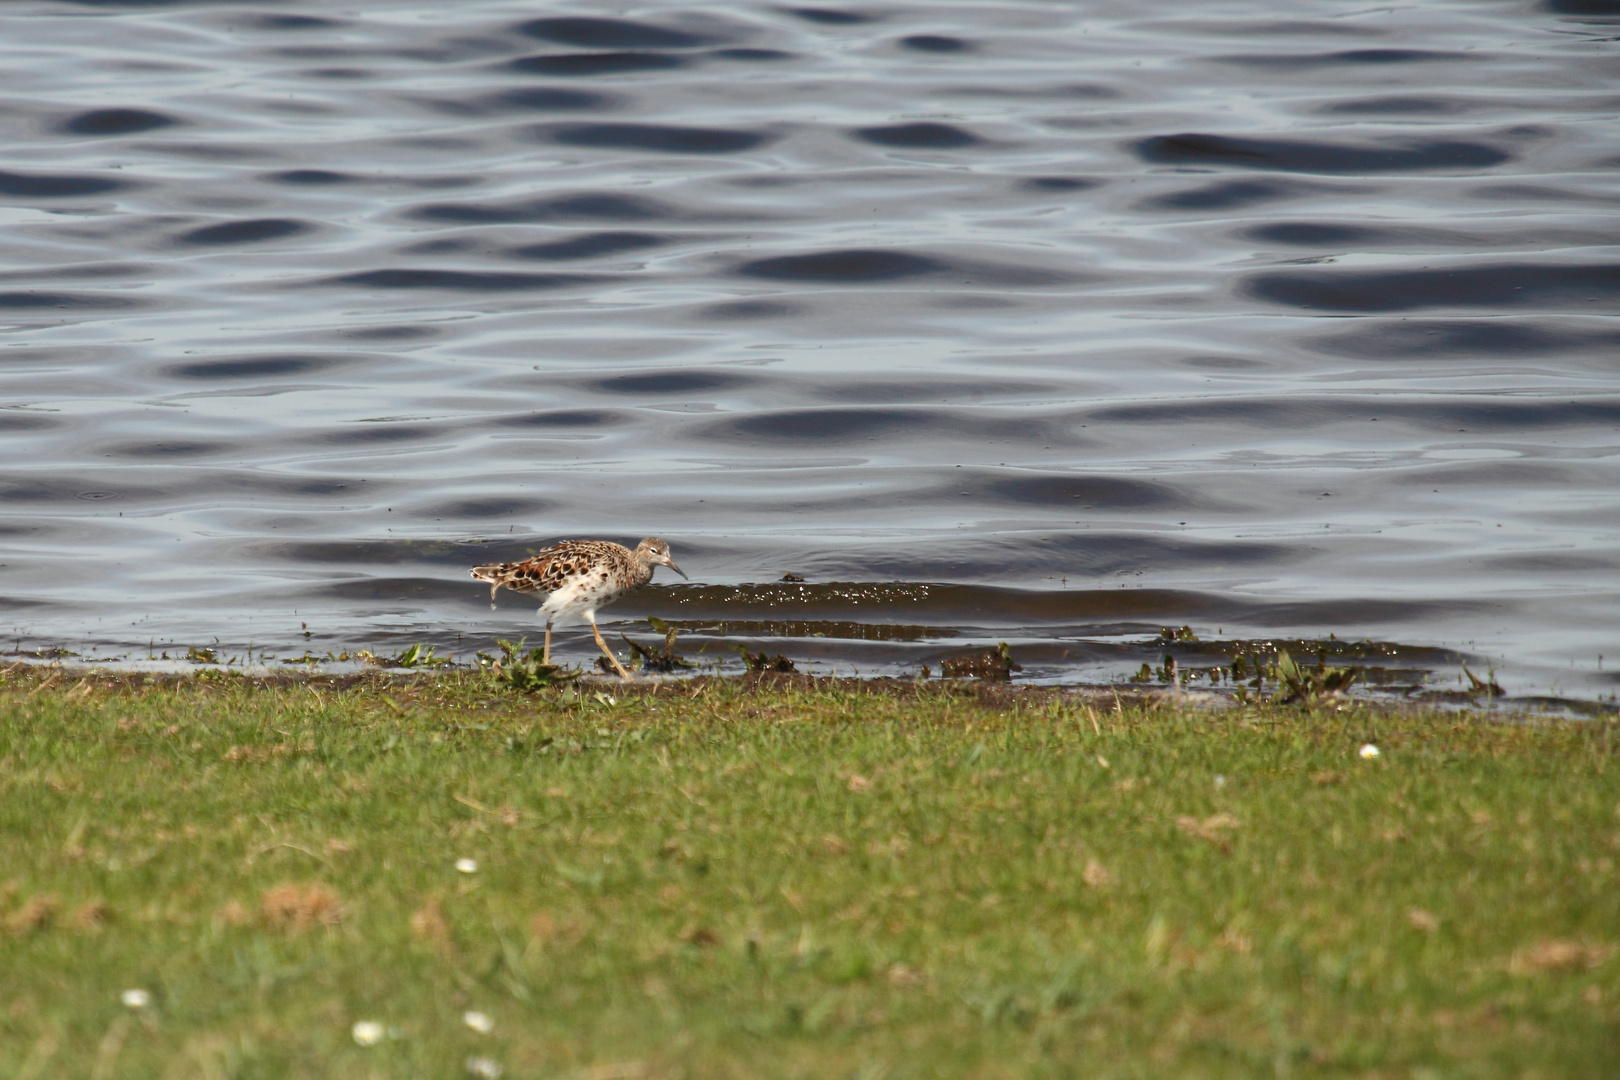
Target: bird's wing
548,570
528,575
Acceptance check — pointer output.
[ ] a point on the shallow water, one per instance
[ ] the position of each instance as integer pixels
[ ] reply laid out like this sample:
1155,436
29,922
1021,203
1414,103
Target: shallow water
1052,324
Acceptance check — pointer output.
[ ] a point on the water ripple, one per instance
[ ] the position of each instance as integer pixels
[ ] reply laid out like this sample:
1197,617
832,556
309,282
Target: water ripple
1000,322
596,33
1298,155
117,122
658,137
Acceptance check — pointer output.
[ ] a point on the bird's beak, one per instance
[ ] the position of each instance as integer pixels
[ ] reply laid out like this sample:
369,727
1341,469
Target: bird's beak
669,562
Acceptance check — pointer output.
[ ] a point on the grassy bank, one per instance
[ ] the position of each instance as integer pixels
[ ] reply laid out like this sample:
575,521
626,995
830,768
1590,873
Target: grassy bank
801,881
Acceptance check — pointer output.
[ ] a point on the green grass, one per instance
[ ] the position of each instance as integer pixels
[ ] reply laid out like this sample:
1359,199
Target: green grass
794,882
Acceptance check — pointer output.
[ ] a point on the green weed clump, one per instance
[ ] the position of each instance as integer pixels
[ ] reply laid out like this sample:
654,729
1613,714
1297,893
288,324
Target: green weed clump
651,659
418,656
1309,686
525,672
425,874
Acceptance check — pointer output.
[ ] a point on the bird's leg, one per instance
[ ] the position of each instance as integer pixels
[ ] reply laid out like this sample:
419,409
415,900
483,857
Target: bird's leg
614,660
545,657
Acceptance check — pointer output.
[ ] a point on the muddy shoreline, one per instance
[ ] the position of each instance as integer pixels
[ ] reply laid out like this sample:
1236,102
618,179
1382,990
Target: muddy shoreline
74,676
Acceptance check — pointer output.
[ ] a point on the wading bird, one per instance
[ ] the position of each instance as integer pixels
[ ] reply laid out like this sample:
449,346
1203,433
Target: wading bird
579,576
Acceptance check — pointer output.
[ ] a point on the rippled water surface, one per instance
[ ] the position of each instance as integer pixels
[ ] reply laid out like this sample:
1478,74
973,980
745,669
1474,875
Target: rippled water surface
1047,323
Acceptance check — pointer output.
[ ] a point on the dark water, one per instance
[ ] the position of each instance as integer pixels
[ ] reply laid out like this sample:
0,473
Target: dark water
1051,323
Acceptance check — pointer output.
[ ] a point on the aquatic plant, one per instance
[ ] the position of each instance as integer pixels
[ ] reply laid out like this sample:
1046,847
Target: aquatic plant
418,655
645,658
1309,686
1488,685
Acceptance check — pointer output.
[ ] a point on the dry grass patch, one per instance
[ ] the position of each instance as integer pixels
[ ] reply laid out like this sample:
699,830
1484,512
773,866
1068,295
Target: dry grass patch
429,923
295,907
37,914
1560,955
1217,828
93,916
1096,875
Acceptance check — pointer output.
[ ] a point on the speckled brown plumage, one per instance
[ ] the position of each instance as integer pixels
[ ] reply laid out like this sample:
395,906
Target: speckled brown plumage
571,562
577,577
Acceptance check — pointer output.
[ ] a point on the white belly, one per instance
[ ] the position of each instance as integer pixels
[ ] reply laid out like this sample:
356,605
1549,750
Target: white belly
578,600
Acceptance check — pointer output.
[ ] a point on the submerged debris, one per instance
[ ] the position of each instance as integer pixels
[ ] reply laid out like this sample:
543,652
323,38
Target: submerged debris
644,658
1487,685
759,661
1166,672
992,665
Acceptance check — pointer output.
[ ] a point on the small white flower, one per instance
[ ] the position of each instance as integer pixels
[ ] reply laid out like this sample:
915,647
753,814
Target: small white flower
467,866
368,1032
1220,781
484,1068
1368,751
136,999
482,1023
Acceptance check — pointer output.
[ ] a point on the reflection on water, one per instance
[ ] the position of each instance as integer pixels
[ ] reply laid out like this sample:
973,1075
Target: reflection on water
1043,323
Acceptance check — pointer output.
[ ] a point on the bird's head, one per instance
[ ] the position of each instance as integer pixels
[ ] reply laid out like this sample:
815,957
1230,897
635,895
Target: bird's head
654,550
